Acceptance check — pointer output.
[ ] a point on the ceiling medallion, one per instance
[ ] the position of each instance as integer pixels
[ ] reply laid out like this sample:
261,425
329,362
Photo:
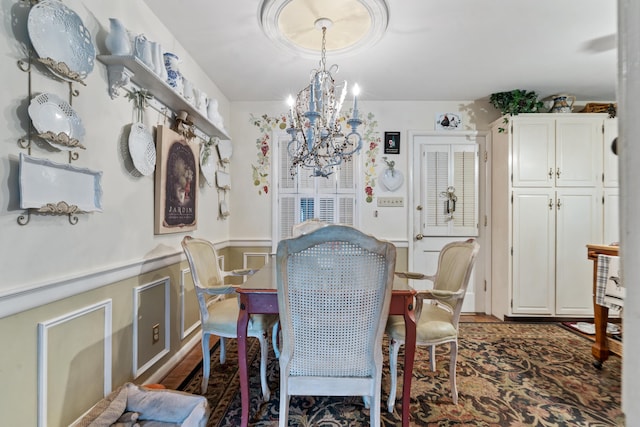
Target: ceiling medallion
356,24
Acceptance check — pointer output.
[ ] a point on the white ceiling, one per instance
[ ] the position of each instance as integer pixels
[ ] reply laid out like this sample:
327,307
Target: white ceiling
452,50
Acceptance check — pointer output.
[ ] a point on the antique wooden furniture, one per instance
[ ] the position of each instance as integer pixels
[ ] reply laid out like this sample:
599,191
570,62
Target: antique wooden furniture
258,295
437,319
218,312
600,348
334,290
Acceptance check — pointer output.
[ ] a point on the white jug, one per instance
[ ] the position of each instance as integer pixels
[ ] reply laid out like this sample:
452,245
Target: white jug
143,51
117,41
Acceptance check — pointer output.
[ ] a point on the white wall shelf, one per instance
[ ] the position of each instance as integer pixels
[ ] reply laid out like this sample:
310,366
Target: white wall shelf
123,70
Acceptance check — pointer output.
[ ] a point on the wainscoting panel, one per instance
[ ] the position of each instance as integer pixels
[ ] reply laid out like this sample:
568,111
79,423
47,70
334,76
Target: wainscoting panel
151,309
78,345
189,311
254,260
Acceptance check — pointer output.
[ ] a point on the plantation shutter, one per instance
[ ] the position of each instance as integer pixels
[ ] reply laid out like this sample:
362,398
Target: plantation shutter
286,216
437,176
451,167
303,196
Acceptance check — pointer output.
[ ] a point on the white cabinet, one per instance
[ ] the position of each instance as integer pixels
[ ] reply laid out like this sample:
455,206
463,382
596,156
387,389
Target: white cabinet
548,203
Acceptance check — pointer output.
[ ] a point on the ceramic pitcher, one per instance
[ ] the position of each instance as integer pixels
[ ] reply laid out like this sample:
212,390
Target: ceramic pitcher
174,78
562,103
143,51
117,41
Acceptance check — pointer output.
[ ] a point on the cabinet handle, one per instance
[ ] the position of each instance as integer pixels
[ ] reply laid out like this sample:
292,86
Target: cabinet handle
550,173
559,204
550,204
558,173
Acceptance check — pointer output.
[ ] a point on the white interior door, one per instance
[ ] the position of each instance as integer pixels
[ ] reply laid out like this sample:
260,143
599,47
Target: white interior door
441,160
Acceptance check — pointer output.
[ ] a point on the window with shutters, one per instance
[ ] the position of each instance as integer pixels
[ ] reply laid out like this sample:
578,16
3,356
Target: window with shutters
450,174
303,197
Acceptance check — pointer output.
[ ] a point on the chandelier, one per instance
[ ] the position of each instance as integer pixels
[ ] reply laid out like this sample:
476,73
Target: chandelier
318,140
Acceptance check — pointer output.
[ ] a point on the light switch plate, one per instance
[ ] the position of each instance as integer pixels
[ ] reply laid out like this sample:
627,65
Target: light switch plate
396,202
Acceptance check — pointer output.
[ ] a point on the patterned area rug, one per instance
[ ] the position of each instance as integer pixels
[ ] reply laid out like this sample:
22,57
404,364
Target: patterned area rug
508,374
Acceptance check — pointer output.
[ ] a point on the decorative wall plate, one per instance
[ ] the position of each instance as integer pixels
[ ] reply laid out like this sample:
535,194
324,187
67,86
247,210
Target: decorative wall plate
57,32
207,165
225,150
49,113
391,179
142,149
45,185
448,121
224,209
223,180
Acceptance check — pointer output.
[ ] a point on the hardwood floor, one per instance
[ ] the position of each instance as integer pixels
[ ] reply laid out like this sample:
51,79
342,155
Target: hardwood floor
175,378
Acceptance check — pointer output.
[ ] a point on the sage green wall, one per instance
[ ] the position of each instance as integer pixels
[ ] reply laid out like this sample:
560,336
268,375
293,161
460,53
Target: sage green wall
19,359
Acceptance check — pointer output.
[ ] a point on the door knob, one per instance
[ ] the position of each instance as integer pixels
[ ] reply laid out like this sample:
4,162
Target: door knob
419,236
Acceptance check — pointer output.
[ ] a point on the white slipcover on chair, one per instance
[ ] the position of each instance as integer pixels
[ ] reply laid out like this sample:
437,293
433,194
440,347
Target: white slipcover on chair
437,321
307,227
334,291
218,312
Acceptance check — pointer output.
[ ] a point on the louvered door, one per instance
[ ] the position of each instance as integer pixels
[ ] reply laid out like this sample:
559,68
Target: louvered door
450,175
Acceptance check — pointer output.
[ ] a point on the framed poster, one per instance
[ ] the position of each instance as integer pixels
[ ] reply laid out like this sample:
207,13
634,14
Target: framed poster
392,143
176,195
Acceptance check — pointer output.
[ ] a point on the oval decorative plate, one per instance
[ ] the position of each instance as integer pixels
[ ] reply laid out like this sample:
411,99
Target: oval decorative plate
49,113
142,149
207,166
57,32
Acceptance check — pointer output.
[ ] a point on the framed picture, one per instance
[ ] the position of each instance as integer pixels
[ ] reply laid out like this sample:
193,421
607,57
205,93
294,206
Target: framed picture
392,143
176,195
448,121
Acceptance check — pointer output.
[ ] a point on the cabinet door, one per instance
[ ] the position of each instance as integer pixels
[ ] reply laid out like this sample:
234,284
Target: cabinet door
610,176
533,251
611,217
533,142
578,223
578,152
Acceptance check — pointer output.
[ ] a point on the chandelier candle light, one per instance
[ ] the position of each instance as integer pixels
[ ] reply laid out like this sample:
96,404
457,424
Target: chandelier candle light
318,141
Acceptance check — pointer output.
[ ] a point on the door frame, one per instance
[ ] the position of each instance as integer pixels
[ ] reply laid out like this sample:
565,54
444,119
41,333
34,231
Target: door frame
483,262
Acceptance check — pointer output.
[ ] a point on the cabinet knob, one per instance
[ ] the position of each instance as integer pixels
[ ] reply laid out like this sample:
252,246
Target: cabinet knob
558,173
419,236
550,204
559,204
550,173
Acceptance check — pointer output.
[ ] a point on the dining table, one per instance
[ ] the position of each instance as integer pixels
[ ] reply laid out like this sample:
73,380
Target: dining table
258,295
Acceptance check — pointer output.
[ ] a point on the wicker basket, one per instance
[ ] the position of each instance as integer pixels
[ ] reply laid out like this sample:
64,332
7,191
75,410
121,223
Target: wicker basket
605,107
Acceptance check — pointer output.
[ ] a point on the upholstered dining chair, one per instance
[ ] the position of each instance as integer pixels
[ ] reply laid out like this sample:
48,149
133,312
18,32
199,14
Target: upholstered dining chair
334,290
219,312
437,320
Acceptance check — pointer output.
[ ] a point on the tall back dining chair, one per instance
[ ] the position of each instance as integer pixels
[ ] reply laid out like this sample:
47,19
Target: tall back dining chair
219,312
437,320
334,290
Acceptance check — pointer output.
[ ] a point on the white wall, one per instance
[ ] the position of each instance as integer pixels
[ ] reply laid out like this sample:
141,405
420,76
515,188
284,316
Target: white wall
49,249
251,212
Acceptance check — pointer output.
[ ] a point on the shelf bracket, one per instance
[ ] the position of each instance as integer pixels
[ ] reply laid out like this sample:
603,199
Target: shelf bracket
119,76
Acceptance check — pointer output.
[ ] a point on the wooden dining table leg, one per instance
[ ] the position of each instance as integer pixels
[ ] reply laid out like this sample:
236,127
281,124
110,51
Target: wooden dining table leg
243,322
409,356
